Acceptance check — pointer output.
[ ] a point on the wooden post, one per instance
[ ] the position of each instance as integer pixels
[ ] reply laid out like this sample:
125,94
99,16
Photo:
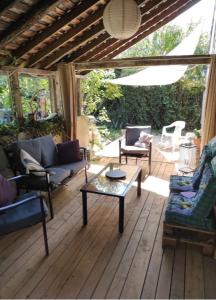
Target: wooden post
16,96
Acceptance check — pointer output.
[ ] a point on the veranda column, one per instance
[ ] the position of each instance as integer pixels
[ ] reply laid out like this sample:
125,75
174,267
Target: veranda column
67,81
209,114
16,96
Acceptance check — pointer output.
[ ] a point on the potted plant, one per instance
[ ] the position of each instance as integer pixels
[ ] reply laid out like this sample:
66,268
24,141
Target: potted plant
197,139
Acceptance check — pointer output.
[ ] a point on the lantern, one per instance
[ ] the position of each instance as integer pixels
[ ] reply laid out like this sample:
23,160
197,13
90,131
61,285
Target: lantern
122,18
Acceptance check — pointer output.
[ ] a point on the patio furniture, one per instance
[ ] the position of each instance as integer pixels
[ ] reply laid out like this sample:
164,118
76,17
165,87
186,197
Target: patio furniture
101,184
127,147
26,210
45,152
175,135
193,210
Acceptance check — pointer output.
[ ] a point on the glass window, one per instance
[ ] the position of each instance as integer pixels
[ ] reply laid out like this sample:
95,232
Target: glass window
6,114
35,95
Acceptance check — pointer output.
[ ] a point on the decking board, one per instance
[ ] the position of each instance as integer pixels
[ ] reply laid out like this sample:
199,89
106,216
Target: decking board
98,262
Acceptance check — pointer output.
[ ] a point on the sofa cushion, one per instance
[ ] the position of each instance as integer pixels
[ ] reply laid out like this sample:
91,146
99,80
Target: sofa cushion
32,146
49,154
74,167
4,163
69,152
58,174
181,183
7,191
133,133
22,216
31,164
212,146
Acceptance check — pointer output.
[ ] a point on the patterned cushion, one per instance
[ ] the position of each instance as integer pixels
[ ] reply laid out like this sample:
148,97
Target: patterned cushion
212,146
181,183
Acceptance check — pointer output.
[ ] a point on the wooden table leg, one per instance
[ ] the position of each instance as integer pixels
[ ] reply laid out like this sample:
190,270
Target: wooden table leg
84,203
121,214
139,180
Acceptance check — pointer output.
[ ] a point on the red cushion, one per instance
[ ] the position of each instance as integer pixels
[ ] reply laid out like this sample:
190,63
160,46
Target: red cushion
7,192
69,152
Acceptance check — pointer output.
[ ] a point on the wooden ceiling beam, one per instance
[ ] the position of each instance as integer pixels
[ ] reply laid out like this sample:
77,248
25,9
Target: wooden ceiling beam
87,36
68,36
26,21
5,5
67,50
147,12
173,9
72,33
166,18
144,62
58,24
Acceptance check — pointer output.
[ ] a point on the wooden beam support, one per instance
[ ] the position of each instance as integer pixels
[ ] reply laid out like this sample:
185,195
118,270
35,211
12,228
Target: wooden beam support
60,23
33,16
72,33
144,62
173,9
7,4
16,96
28,71
87,36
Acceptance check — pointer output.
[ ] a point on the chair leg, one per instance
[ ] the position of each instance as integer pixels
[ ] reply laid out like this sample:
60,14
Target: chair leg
50,203
120,158
44,227
86,177
126,158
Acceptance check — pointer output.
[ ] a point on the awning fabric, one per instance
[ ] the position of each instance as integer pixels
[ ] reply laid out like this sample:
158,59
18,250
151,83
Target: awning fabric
163,75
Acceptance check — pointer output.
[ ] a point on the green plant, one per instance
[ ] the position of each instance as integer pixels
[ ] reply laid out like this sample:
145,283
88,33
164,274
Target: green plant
197,133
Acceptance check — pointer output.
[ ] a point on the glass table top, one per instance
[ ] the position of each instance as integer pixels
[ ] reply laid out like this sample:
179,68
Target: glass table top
101,184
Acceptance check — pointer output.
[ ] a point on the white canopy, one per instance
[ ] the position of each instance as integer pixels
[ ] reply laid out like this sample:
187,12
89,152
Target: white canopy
163,75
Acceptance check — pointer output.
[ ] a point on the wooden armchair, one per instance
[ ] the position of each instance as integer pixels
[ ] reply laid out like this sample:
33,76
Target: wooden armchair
127,147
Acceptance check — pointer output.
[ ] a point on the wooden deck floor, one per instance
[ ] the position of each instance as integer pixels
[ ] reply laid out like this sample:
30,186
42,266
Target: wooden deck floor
98,262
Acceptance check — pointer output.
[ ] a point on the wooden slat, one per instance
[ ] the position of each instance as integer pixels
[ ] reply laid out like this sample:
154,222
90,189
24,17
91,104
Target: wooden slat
6,5
65,20
29,71
144,61
159,20
72,33
33,16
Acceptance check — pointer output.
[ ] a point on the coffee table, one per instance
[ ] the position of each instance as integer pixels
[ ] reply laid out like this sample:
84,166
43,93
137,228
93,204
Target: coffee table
100,184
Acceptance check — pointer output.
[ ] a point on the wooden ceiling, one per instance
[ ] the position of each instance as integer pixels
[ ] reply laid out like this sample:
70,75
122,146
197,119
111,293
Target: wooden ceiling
38,33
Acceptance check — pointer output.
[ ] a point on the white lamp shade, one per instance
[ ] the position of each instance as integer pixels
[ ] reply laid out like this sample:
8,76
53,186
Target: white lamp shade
122,18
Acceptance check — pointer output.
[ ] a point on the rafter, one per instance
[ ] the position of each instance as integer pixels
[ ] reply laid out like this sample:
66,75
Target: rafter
33,16
68,49
72,33
87,36
167,16
5,5
173,9
58,24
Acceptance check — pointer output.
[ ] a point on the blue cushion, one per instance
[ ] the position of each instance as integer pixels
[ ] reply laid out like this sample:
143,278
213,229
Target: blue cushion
212,146
49,154
32,146
22,216
73,167
58,174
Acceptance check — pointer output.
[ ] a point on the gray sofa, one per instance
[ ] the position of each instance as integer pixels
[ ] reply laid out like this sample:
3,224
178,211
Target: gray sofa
44,150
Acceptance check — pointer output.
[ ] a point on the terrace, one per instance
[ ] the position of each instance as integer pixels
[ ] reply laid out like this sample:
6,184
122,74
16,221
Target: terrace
60,41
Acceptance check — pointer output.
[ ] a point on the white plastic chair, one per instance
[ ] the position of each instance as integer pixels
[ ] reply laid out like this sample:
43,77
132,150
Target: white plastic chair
175,135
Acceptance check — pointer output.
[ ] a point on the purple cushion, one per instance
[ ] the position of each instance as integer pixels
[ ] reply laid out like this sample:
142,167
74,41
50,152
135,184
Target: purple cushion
7,192
69,152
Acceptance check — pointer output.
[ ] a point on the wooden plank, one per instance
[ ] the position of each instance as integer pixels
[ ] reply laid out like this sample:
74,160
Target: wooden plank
76,11
194,277
6,5
34,15
29,71
209,277
178,280
144,61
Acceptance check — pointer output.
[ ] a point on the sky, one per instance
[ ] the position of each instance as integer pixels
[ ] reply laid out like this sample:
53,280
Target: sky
203,10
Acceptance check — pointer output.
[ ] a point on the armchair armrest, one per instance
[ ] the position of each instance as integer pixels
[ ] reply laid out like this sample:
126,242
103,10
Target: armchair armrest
13,205
17,178
84,152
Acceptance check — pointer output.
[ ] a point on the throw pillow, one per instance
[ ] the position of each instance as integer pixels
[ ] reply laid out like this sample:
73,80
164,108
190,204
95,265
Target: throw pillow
69,152
31,164
49,154
144,140
7,192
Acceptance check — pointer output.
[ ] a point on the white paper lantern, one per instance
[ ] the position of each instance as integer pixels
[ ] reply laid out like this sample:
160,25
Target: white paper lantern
122,18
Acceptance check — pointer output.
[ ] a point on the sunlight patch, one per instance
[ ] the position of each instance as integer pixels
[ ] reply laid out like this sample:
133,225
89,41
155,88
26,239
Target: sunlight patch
156,185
